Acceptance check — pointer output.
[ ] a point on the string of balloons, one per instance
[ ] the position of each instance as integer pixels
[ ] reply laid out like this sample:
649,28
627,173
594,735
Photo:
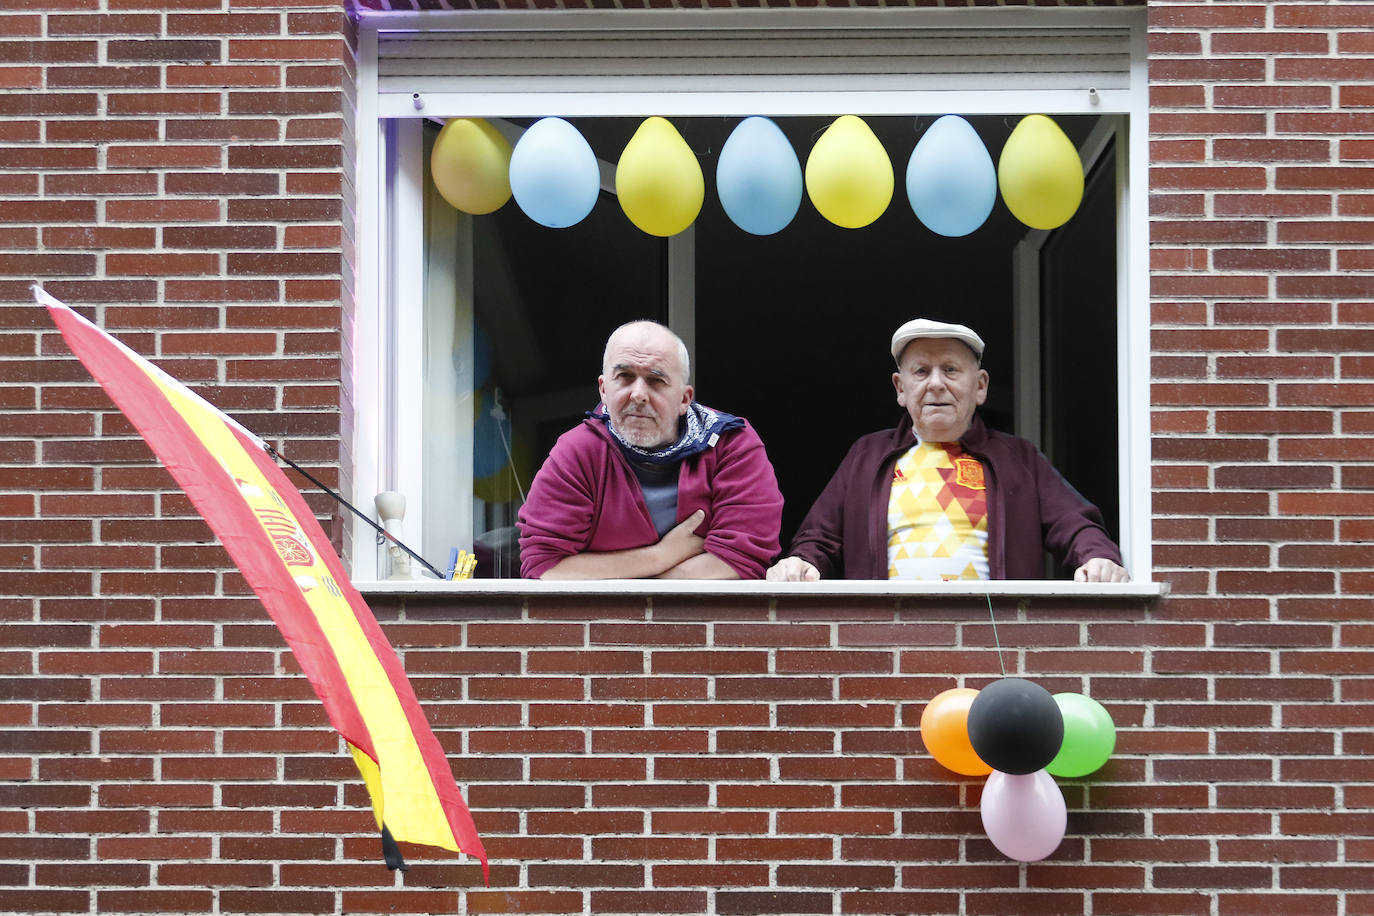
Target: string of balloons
951,181
1020,737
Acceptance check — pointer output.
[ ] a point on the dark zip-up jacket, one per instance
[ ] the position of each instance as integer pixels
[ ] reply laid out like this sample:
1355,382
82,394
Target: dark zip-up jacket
1031,508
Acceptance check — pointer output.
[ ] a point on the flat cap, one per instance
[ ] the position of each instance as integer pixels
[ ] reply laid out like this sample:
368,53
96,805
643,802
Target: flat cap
917,328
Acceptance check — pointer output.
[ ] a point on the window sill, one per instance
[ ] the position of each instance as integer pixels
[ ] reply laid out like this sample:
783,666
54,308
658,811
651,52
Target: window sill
825,589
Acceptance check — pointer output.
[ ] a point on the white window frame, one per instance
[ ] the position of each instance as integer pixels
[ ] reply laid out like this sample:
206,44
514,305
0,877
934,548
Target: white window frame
388,326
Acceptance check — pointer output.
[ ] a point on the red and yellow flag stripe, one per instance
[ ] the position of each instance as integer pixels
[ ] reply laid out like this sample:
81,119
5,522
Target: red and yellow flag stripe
274,539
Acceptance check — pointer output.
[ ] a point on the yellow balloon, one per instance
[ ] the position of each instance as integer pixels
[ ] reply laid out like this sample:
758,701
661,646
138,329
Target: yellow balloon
848,174
658,179
1040,174
470,163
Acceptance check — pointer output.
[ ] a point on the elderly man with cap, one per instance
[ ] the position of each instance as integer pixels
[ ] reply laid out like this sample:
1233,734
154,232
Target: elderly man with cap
652,483
941,496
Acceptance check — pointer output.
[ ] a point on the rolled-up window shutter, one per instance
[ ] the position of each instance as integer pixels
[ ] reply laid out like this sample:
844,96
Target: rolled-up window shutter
786,60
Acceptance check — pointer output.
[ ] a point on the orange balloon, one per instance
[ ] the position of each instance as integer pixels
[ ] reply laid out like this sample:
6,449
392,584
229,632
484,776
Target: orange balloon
944,729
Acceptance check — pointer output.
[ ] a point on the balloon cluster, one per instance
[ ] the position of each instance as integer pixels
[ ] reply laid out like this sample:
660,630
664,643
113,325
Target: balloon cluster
1019,736
951,182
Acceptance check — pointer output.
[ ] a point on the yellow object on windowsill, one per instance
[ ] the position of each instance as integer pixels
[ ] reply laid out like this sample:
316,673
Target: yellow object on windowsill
461,564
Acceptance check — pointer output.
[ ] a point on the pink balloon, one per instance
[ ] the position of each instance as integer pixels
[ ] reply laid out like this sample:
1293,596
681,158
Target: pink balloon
1024,816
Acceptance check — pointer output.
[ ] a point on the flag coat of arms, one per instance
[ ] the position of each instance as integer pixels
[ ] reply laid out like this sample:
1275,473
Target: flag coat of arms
283,553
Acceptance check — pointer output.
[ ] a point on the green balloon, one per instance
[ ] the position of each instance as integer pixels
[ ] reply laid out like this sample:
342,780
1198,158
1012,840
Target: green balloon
1089,736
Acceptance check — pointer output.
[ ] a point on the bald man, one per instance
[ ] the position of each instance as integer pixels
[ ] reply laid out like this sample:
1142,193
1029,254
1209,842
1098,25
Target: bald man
651,483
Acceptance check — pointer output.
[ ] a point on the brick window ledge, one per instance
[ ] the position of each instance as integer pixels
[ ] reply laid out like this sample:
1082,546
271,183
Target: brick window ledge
836,588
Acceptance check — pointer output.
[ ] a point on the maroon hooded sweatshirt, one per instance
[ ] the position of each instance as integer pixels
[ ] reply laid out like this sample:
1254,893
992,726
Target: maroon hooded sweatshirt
586,497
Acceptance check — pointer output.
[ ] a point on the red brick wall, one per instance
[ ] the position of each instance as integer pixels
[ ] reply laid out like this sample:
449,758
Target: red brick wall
176,171
1261,302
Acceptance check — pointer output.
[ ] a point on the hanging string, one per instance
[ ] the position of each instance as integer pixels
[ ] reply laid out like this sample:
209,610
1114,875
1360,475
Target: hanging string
995,640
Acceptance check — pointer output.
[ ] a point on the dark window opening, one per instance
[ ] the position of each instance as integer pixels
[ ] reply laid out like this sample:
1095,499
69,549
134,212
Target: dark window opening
792,330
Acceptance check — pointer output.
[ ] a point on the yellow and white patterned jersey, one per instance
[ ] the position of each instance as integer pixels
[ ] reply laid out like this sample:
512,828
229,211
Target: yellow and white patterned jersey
937,516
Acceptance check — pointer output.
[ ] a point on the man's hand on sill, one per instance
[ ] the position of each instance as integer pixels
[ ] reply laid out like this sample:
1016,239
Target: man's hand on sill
1100,569
792,569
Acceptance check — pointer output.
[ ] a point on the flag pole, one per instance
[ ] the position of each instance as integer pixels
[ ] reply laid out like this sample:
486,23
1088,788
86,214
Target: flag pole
381,532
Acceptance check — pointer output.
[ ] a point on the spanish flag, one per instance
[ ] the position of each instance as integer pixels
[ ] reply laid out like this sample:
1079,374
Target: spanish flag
283,553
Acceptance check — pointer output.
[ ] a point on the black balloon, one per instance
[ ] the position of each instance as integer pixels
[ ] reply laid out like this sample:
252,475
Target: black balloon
1015,726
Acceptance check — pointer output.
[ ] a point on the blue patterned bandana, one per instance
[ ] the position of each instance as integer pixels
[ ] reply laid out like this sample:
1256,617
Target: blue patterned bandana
699,428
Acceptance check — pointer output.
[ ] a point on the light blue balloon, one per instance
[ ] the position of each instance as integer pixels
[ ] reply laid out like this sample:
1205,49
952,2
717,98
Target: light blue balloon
758,177
553,174
950,179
